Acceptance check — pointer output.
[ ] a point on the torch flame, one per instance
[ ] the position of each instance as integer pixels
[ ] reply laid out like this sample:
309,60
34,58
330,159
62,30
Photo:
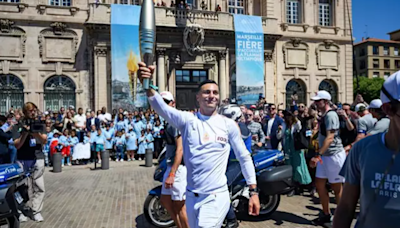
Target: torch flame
132,63
133,67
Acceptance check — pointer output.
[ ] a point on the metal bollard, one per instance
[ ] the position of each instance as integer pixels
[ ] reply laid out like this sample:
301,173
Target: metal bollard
57,162
105,160
149,158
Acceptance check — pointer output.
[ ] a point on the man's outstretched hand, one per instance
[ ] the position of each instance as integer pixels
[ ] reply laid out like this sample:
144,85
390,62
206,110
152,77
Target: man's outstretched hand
145,72
254,205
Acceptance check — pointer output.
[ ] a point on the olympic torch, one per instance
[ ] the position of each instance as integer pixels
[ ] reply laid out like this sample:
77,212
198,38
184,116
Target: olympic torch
147,33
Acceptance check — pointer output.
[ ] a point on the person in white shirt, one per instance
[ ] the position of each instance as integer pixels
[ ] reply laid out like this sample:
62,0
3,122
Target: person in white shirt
207,138
104,117
80,123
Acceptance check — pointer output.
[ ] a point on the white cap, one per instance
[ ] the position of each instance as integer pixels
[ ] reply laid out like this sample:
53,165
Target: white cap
322,95
392,86
167,96
130,127
46,113
360,107
126,113
377,103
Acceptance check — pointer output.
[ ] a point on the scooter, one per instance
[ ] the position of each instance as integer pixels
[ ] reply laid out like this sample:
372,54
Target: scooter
13,195
273,179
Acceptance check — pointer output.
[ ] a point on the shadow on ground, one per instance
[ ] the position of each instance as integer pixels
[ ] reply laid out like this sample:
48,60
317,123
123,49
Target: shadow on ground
279,217
141,222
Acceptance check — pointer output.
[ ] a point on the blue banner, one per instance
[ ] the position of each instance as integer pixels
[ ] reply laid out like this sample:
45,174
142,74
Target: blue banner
249,38
127,92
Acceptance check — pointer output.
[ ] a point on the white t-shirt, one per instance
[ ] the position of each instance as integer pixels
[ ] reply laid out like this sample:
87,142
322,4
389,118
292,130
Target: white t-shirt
207,142
270,123
80,120
105,117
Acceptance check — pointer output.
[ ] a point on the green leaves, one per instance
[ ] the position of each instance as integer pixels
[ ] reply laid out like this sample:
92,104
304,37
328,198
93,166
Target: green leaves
369,88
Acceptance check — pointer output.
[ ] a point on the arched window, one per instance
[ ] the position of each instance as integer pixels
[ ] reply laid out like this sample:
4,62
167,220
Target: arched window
11,92
331,87
59,91
293,88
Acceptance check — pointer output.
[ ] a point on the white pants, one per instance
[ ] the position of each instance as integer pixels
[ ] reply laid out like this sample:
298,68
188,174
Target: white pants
207,210
330,167
178,190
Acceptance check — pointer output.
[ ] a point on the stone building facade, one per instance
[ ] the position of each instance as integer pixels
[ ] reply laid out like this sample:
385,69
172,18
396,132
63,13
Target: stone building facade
58,53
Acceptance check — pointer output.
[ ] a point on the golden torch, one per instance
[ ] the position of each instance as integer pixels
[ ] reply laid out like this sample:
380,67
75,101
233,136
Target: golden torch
132,65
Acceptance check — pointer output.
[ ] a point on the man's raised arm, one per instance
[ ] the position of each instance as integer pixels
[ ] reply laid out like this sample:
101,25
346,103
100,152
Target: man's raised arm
173,116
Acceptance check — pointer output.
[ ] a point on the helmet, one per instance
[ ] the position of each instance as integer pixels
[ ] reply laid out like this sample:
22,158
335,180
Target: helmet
231,111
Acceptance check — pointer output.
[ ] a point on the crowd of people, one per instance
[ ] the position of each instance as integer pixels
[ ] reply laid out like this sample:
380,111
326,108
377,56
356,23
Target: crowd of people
125,134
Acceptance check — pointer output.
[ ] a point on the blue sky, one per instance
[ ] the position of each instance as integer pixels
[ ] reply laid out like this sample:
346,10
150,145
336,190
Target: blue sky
372,18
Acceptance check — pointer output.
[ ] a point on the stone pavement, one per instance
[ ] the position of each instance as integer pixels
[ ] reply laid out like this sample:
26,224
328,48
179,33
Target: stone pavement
81,198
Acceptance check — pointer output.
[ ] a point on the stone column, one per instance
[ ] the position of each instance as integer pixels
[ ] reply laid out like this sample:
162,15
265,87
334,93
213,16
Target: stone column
228,74
269,77
222,75
161,69
100,77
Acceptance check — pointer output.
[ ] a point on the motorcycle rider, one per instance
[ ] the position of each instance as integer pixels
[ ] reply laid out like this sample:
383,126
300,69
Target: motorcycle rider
234,112
207,139
174,181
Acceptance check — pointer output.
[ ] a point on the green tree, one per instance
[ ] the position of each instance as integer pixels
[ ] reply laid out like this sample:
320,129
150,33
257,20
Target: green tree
369,88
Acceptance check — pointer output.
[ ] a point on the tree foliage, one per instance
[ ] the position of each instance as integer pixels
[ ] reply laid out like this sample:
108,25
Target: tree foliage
369,88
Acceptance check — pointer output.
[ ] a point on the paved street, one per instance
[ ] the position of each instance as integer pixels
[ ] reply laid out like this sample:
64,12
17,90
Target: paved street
79,197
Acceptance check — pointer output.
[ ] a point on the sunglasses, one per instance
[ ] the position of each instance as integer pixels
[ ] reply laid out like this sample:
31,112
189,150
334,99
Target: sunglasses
248,115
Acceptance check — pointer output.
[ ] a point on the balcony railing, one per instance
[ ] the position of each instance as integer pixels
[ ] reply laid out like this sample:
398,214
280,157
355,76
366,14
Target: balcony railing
172,17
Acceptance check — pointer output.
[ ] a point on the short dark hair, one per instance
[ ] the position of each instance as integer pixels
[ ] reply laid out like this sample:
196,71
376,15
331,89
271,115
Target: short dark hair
208,81
3,118
347,104
10,116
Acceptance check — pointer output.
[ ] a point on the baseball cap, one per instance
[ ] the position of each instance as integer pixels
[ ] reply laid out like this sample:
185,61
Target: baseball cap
392,87
360,107
167,96
377,103
253,106
322,95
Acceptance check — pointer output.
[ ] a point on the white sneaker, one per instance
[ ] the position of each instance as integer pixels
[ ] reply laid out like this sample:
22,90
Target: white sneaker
122,160
38,217
129,160
99,162
23,218
69,164
62,165
117,160
140,159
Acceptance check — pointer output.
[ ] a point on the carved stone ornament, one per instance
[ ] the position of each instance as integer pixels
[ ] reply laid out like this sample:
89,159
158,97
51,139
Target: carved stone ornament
161,51
175,57
295,41
58,27
317,28
295,54
16,36
337,29
328,55
101,51
305,27
284,26
193,38
6,25
209,57
66,41
222,55
268,55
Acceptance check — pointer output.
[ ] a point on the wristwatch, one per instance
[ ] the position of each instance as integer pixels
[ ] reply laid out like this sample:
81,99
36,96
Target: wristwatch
253,191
